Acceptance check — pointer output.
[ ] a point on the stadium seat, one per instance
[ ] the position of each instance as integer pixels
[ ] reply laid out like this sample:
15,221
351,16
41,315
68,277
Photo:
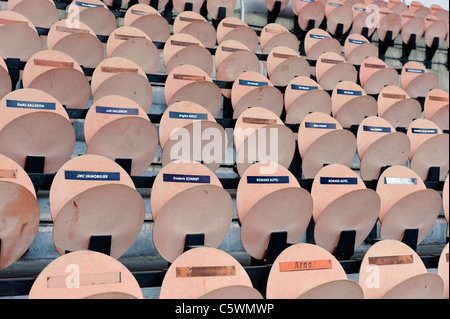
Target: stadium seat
149,20
20,212
135,45
416,80
285,64
443,271
49,132
307,271
92,195
96,15
380,146
395,106
331,68
269,199
339,194
317,42
364,22
436,108
309,11
207,273
303,95
180,5
213,8
232,28
270,4
275,35
190,201
80,42
429,148
190,83
120,76
5,79
322,141
445,202
439,12
374,75
252,89
187,131
351,104
231,59
412,25
184,48
435,28
41,13
397,6
390,269
406,203
338,13
260,136
18,36
419,9
357,49
388,21
59,75
116,127
85,275
195,24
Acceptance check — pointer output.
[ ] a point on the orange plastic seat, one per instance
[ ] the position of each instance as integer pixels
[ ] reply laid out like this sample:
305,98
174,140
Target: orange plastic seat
388,21
96,15
275,35
179,5
436,108
213,7
5,79
337,13
374,75
307,11
285,64
411,24
331,68
41,13
232,28
416,80
357,49
443,271
195,24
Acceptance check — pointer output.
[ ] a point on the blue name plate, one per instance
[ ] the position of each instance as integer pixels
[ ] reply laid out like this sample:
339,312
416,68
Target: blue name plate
116,110
415,70
320,37
87,5
378,129
92,176
267,179
303,87
339,180
331,126
349,92
179,178
188,116
424,131
253,83
31,105
356,41
335,4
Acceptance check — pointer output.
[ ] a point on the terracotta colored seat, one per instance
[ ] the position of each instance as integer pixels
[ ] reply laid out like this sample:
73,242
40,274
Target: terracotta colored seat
135,45
252,89
92,195
411,24
443,271
41,13
195,24
118,128
18,36
285,64
231,59
120,76
406,203
338,13
59,75
275,35
271,3
20,212
179,5
270,201
307,271
390,269
435,28
5,79
331,68
339,193
207,273
395,106
318,41
363,19
419,9
97,16
388,21
184,48
439,12
48,132
397,6
187,131
260,136
322,141
436,108
416,80
303,95
190,83
307,11
232,28
351,104
149,20
213,7
80,42
357,49
379,145
189,199
374,75
85,275
429,148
